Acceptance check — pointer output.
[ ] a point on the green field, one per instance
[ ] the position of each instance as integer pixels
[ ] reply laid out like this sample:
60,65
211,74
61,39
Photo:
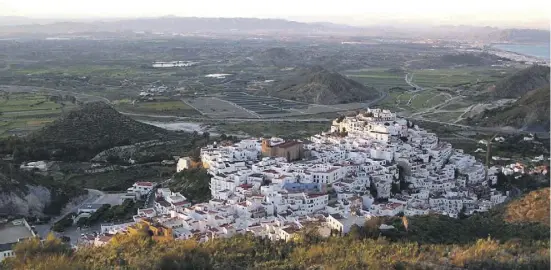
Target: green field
24,112
379,78
457,77
171,107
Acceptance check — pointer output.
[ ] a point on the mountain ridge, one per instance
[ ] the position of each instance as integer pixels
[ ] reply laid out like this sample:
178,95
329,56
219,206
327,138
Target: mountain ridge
173,24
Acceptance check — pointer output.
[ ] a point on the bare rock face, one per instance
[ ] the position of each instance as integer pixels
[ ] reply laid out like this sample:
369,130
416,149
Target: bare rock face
31,204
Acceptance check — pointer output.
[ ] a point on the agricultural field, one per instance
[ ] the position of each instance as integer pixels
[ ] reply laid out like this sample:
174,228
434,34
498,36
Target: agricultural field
160,106
23,112
380,78
458,77
414,101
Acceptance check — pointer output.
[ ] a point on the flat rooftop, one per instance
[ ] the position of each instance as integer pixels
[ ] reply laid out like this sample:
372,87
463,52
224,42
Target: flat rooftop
11,233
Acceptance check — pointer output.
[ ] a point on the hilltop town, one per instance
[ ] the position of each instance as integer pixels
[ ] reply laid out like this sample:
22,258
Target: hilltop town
370,164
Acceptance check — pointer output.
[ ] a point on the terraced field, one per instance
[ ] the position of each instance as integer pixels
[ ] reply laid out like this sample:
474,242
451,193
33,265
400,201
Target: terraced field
22,112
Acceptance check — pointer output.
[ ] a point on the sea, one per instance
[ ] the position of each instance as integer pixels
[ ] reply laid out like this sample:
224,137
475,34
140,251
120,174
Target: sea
539,50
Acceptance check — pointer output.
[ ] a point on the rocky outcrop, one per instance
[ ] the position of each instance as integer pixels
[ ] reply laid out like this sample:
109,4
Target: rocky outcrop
31,203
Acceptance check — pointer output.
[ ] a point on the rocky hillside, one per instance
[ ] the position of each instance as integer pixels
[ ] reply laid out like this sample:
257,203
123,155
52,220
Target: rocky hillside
29,194
522,82
318,85
531,112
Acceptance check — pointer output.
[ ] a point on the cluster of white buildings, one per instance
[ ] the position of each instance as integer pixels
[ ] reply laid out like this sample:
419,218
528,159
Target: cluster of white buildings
371,164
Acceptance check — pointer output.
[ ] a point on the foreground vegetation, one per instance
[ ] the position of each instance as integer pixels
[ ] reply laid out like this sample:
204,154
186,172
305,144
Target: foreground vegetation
430,242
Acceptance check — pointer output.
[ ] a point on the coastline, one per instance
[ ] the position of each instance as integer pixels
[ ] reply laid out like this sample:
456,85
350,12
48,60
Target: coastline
531,57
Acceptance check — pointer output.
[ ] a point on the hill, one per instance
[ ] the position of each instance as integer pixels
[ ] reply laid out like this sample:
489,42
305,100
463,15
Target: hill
318,85
534,207
97,123
531,112
521,82
88,130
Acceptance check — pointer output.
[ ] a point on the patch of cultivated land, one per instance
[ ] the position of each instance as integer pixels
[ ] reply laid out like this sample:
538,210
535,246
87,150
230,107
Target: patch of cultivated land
414,101
164,107
22,112
443,116
457,77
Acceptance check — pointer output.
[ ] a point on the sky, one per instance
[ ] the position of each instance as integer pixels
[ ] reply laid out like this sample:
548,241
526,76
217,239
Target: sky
529,13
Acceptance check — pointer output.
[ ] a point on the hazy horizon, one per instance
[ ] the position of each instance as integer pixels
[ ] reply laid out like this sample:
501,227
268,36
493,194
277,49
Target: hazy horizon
525,14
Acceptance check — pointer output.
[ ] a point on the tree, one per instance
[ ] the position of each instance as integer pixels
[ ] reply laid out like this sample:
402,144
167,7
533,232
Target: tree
373,190
206,136
356,232
395,188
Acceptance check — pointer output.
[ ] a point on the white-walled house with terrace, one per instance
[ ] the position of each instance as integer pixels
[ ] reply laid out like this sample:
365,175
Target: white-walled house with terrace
371,164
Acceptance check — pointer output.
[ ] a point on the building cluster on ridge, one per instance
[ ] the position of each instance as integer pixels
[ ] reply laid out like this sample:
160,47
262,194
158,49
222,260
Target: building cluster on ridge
370,164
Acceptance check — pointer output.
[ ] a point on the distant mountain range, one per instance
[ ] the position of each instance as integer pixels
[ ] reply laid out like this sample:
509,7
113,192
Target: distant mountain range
190,25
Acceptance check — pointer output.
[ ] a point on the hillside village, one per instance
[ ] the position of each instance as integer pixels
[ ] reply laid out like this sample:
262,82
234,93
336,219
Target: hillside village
371,164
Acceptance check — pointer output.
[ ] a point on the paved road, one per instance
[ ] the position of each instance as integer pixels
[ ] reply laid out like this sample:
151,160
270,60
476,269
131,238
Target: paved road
93,195
410,83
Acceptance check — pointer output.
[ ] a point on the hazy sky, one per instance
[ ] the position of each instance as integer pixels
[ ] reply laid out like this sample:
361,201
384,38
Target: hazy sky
356,12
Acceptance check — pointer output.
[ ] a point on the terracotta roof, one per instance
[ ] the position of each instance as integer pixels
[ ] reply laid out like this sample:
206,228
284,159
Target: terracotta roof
144,184
180,203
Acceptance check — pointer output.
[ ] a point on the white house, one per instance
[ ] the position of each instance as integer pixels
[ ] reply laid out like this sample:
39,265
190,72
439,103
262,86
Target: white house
183,163
343,223
141,188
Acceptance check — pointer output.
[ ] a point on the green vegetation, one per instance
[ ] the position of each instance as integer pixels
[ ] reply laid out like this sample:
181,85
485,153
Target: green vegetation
97,120
170,107
23,112
65,222
483,241
108,213
83,133
456,77
120,179
194,184
380,78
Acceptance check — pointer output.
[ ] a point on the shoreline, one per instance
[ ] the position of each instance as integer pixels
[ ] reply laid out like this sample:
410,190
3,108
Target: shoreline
493,47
